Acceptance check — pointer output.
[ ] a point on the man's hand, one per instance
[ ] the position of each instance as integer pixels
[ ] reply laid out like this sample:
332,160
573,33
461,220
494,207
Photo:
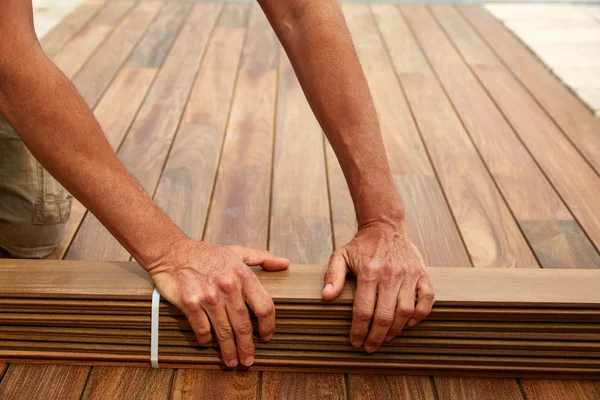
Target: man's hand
211,284
390,273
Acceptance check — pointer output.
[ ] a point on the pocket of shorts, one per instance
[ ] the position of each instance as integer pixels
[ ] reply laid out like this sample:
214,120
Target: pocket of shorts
54,204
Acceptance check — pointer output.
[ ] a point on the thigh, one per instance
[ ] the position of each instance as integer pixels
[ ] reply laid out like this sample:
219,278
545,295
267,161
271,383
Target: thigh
33,205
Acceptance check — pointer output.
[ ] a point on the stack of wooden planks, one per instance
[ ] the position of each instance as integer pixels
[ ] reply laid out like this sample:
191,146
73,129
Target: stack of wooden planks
510,322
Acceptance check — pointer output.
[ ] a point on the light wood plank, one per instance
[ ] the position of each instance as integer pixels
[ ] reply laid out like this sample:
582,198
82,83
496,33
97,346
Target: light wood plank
70,25
95,76
128,383
450,388
381,387
185,186
24,381
579,125
282,385
207,384
79,48
148,141
525,188
485,222
546,389
573,178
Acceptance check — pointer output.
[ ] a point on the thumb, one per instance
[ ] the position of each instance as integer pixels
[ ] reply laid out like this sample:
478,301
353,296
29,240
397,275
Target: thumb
268,261
335,276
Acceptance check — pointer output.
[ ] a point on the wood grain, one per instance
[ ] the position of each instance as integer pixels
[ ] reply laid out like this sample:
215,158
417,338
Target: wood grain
525,188
278,385
239,211
95,76
426,208
477,388
538,389
70,25
23,381
390,387
573,118
78,49
128,383
207,384
487,227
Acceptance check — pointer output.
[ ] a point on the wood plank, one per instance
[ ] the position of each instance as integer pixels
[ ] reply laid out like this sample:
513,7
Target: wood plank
186,183
579,125
95,76
209,384
477,388
158,119
528,193
430,221
43,381
278,385
69,26
390,387
538,389
79,48
128,383
490,233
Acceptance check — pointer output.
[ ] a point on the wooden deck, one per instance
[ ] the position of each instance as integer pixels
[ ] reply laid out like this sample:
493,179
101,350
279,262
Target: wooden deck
497,163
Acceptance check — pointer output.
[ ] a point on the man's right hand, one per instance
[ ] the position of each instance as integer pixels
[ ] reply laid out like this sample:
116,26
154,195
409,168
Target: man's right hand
211,284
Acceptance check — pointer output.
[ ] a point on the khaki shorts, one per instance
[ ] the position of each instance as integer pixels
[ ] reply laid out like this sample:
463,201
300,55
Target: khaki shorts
34,207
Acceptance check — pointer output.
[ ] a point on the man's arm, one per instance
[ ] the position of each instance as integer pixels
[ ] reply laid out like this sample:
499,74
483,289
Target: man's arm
207,282
388,266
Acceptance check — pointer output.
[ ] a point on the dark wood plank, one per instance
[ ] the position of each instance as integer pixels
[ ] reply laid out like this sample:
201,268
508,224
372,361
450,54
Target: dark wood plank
148,141
523,185
95,76
185,186
79,48
571,115
214,384
281,385
546,389
490,232
128,383
26,381
429,218
70,25
390,387
450,388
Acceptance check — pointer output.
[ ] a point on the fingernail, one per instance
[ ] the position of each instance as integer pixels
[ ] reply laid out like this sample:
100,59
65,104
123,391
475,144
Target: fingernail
267,338
285,259
412,322
248,361
232,363
328,288
388,338
370,349
357,343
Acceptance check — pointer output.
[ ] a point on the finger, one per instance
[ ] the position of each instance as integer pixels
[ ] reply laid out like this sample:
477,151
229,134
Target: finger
384,315
261,304
224,332
242,328
263,258
425,300
404,308
362,312
201,326
335,276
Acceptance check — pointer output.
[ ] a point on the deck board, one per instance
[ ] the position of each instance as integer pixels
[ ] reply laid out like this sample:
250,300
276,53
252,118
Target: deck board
203,107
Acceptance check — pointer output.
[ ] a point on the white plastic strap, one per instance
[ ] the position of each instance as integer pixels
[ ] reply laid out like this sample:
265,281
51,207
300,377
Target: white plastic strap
154,329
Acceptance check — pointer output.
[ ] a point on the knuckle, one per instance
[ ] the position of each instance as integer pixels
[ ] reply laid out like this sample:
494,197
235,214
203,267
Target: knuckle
419,314
191,304
371,269
210,298
241,271
224,332
363,314
406,311
228,285
427,295
265,309
244,328
202,331
390,272
384,319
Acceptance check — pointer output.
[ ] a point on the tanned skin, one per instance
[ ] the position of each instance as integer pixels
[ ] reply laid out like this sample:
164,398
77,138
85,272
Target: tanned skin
213,284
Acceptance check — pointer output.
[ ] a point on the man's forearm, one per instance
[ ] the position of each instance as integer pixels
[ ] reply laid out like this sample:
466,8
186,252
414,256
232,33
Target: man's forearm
317,41
60,130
